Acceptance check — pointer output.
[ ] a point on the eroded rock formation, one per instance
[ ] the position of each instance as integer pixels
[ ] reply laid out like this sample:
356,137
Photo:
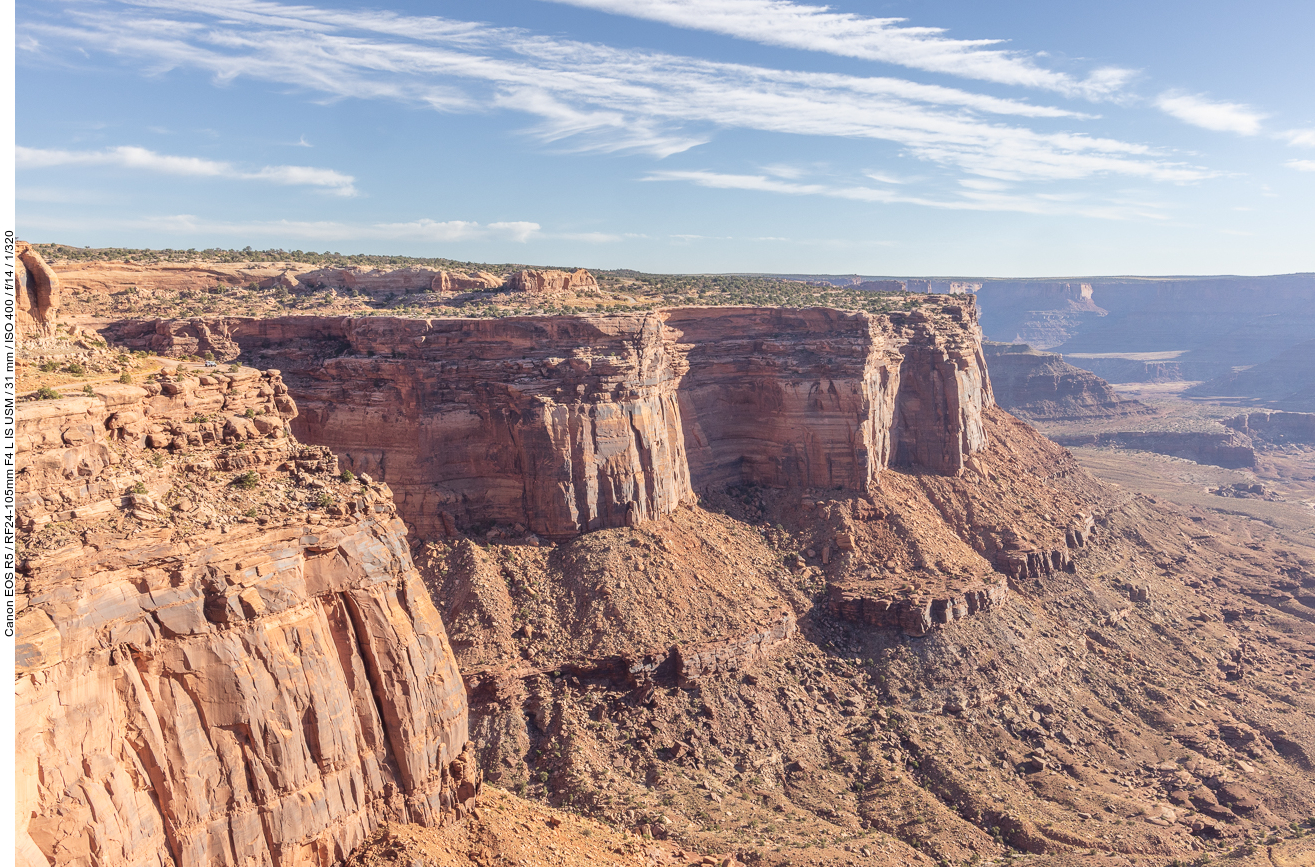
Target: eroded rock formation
36,293
197,687
569,424
545,282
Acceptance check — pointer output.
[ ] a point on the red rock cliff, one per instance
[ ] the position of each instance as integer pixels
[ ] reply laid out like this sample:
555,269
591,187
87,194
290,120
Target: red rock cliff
568,424
196,687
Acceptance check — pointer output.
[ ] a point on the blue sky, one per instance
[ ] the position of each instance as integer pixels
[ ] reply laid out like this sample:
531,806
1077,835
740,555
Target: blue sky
896,138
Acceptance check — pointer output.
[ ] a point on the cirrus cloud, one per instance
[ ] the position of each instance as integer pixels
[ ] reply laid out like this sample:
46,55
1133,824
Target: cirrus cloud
131,157
1210,114
590,97
888,40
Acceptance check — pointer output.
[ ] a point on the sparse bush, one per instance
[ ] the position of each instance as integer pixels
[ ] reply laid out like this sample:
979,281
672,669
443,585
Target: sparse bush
75,369
246,481
250,412
234,368
324,501
347,477
45,392
139,488
86,389
125,378
157,459
49,367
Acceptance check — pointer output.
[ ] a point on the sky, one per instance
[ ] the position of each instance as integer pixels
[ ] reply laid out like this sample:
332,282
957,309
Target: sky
882,138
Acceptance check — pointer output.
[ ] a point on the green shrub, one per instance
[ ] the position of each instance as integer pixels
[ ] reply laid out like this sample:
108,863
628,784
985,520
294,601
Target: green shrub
86,389
347,477
234,368
324,501
251,412
49,367
247,481
76,369
125,378
45,392
139,488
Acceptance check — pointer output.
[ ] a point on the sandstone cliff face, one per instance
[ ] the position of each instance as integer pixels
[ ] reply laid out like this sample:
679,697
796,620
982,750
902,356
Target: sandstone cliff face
36,293
1277,427
570,424
147,279
198,688
544,282
399,280
1042,386
563,425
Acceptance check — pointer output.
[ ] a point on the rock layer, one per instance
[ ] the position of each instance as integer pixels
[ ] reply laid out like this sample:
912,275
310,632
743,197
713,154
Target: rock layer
569,424
263,692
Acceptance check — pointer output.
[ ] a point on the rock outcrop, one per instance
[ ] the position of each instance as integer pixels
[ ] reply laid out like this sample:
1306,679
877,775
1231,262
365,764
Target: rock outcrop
460,281
1276,427
36,293
1220,449
167,277
1042,386
197,687
399,281
546,282
575,423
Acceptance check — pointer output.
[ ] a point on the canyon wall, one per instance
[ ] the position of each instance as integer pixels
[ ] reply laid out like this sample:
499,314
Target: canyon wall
1207,326
573,423
210,670
1042,386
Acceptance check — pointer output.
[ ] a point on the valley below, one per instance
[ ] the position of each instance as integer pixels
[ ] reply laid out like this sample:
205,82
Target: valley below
468,564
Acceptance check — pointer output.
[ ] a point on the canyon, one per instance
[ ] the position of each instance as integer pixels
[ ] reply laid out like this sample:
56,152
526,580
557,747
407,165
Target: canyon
784,583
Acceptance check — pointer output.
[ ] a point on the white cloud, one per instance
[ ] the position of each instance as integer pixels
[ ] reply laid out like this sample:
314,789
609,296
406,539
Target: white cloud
818,28
147,160
423,230
988,199
1300,137
591,97
1301,165
1207,114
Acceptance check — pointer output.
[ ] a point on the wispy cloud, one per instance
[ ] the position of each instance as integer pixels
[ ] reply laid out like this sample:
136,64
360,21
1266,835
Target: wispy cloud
980,197
888,40
1301,165
1299,137
586,96
1209,114
131,157
327,231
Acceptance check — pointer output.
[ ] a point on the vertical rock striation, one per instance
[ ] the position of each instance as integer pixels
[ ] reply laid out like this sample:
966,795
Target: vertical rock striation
575,423
258,692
